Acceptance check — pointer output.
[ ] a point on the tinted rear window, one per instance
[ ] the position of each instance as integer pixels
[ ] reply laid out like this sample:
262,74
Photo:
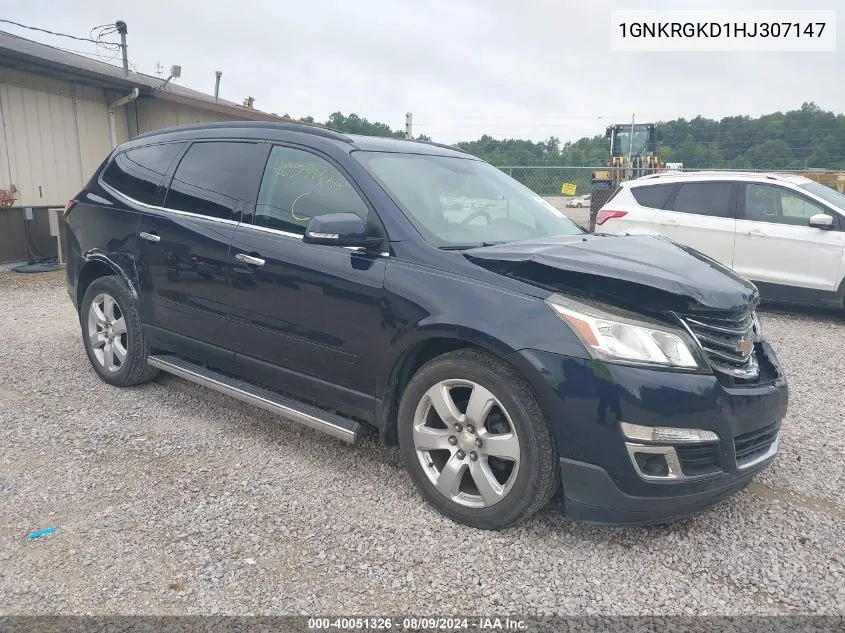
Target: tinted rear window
214,178
705,198
652,196
138,173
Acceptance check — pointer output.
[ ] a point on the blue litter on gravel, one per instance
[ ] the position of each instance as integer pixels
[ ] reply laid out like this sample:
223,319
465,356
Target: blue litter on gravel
39,533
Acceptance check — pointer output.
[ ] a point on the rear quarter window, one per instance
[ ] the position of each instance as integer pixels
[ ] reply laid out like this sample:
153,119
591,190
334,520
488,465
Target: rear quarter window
138,173
652,196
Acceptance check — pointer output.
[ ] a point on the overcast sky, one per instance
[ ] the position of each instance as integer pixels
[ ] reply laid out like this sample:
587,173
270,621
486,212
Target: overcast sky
509,68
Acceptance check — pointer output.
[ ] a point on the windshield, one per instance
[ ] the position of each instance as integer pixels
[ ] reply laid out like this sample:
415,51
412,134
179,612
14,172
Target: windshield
622,144
459,202
826,193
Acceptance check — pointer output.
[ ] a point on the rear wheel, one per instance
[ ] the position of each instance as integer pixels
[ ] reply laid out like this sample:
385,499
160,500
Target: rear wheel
600,194
475,441
112,333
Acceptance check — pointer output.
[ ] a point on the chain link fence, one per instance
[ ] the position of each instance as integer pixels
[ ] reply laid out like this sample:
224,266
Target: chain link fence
547,181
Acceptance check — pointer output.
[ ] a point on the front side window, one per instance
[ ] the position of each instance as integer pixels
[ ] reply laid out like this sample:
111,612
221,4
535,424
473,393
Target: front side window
826,193
764,203
213,179
460,202
137,173
705,198
298,185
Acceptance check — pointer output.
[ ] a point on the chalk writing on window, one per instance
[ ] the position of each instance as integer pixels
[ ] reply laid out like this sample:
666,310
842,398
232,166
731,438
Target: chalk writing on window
320,176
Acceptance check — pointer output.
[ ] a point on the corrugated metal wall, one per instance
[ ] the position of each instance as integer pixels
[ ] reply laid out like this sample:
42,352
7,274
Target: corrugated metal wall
154,114
53,136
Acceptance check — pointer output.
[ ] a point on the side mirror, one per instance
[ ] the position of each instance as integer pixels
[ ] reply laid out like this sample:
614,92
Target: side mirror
821,221
339,229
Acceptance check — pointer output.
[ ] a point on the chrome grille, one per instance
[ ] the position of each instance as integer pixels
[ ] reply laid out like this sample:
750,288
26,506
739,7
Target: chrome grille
728,343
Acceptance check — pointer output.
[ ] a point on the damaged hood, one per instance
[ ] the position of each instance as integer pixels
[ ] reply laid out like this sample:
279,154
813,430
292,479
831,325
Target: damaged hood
651,272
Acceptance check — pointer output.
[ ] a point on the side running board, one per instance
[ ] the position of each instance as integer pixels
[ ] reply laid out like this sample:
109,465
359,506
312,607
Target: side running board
306,414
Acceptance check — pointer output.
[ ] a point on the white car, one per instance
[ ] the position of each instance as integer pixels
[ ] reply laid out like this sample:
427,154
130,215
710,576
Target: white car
579,201
784,232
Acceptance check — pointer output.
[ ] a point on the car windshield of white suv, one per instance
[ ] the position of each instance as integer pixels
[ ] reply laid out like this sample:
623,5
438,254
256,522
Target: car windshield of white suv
826,193
463,203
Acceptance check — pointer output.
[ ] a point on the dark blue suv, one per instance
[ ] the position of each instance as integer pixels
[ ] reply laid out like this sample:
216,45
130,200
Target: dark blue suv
345,281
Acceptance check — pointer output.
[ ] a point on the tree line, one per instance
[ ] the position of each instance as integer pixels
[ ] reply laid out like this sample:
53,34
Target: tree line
807,138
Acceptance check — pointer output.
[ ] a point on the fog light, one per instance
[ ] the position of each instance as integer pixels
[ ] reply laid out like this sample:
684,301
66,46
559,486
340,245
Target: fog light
666,434
653,465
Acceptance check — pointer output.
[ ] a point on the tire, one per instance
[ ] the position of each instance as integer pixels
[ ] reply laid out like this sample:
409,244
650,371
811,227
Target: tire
598,197
120,355
517,483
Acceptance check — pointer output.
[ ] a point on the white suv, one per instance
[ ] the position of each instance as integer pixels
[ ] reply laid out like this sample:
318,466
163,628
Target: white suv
784,232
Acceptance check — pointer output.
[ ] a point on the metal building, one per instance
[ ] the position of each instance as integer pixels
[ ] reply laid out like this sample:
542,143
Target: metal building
60,116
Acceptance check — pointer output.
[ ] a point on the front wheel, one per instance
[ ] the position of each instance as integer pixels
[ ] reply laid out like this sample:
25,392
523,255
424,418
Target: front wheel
475,442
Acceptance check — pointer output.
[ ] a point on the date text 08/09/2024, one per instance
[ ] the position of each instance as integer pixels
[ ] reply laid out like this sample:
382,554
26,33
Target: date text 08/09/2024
418,624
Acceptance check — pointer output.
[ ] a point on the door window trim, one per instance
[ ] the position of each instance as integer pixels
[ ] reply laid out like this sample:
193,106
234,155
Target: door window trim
837,219
152,207
299,238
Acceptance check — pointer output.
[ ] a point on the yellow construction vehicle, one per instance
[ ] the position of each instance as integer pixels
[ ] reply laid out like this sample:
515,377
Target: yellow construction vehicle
633,153
833,179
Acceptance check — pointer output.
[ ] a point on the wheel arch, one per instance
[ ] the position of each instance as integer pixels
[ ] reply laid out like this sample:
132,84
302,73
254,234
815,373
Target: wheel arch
98,265
415,354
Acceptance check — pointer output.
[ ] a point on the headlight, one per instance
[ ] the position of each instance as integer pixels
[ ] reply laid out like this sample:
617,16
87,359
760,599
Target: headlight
619,336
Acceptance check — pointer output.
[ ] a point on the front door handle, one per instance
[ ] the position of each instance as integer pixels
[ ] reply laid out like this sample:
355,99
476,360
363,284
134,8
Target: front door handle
756,233
150,237
249,259
669,223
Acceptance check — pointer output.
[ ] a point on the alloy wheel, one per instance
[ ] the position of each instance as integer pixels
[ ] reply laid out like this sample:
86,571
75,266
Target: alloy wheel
107,332
466,443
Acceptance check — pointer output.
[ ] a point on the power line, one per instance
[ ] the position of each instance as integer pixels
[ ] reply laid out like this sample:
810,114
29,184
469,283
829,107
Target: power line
35,28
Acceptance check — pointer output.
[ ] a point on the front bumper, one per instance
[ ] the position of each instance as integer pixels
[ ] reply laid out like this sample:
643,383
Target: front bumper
590,495
585,402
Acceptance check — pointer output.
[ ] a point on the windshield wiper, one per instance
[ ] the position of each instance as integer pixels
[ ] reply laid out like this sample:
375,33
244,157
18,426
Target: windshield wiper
464,247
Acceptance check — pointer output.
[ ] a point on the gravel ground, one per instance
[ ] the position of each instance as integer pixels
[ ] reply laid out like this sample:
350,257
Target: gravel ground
171,499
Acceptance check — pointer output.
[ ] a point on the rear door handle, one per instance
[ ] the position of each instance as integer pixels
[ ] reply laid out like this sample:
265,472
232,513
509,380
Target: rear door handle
249,259
150,237
756,233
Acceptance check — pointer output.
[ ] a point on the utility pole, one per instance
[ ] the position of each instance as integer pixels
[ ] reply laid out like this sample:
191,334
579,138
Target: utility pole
409,124
121,28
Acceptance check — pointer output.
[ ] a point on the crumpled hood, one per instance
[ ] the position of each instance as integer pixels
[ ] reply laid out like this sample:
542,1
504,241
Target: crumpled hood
650,271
